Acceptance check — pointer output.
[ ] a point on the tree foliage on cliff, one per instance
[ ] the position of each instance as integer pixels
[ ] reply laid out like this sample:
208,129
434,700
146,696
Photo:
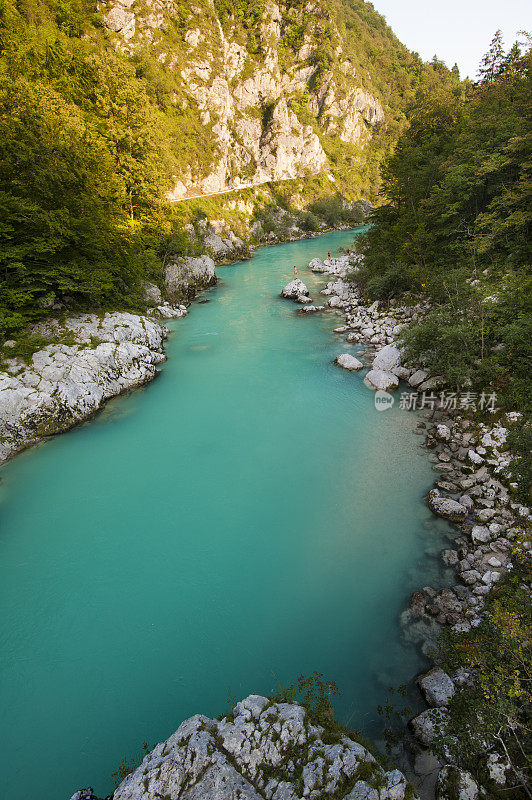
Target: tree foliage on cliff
91,138
85,154
456,225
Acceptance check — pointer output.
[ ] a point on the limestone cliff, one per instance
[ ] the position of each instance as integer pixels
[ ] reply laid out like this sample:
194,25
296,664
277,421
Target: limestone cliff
272,96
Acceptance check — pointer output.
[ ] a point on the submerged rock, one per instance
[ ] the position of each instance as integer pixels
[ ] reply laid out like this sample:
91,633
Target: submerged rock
263,751
347,361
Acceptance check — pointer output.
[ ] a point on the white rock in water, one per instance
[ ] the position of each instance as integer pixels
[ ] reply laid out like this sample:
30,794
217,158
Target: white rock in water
295,289
206,759
378,379
348,361
436,687
387,359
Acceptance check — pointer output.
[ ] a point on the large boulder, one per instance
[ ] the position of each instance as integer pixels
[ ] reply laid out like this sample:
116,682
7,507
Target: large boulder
185,276
455,784
295,289
387,359
379,380
429,724
348,361
445,507
417,377
436,687
262,751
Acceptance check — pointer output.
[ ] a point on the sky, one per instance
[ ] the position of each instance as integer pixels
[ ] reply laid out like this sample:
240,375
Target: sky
455,30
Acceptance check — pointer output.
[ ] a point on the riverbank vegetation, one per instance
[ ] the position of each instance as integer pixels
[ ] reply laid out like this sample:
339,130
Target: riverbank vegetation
456,227
491,713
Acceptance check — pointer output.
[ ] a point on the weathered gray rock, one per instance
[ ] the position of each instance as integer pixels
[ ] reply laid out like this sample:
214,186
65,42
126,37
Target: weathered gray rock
429,724
266,751
152,294
295,289
417,377
445,507
436,687
387,359
185,276
65,384
380,380
455,784
347,361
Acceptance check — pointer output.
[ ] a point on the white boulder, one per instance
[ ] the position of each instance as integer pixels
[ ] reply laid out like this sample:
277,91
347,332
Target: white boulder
348,361
295,289
379,380
387,359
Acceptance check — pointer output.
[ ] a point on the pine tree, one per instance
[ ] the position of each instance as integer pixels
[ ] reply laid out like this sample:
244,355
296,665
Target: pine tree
493,62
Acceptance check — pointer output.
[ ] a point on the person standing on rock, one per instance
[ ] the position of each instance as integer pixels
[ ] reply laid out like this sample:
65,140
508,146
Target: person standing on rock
295,271
329,254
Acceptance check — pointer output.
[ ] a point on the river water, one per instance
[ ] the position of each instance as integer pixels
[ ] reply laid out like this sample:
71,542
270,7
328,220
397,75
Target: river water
246,518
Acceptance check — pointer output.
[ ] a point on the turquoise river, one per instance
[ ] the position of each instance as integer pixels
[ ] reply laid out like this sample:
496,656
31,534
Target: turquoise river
245,518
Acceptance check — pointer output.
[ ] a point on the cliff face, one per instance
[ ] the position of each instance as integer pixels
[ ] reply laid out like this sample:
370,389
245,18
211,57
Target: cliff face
272,99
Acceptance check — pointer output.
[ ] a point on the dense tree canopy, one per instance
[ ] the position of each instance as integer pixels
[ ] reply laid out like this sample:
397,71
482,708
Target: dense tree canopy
456,225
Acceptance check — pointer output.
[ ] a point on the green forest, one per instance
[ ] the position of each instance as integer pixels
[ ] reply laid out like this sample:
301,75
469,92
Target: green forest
455,227
90,137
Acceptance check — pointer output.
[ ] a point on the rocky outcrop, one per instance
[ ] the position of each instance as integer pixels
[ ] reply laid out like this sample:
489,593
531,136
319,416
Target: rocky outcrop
262,751
296,290
436,687
185,276
255,103
66,383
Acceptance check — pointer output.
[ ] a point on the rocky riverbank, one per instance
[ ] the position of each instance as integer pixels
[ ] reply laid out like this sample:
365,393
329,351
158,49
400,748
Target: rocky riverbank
262,751
90,358
472,491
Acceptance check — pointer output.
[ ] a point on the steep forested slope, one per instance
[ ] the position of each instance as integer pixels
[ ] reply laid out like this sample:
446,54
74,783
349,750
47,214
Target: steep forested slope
457,227
108,110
